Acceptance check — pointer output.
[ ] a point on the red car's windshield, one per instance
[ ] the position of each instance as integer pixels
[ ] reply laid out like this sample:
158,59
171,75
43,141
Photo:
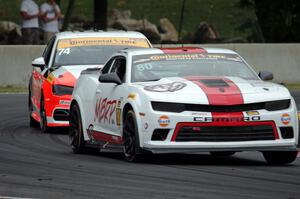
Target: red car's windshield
91,51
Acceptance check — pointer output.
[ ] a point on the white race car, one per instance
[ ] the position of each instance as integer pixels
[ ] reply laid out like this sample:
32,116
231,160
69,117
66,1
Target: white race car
183,100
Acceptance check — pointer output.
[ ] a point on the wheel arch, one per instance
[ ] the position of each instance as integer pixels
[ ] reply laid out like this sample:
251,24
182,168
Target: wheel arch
129,106
77,101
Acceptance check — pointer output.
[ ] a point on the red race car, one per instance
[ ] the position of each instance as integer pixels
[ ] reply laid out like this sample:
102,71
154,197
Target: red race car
55,73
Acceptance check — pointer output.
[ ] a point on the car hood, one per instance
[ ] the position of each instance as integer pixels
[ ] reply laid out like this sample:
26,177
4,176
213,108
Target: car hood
212,90
67,75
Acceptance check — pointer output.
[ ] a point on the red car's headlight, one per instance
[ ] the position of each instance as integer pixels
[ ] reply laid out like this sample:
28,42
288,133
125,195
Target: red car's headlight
62,90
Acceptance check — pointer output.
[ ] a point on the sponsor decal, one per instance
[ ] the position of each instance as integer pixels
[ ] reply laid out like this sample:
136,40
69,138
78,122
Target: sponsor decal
227,119
119,103
170,87
65,102
50,78
285,118
118,116
131,96
92,41
195,56
104,110
251,113
199,114
163,121
118,113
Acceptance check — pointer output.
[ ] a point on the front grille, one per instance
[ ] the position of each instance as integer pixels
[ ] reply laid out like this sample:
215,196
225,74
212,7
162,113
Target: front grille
180,107
224,133
61,115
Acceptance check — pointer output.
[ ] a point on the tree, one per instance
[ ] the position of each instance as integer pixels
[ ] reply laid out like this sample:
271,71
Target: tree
279,20
100,14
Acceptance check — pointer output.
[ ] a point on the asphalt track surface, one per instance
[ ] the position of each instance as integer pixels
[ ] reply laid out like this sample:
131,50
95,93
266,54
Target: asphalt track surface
35,165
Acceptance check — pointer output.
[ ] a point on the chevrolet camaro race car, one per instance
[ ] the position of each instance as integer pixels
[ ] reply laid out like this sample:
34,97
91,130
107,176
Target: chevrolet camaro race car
55,73
183,101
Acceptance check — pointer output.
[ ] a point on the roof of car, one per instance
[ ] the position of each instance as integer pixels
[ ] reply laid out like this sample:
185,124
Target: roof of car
80,34
182,50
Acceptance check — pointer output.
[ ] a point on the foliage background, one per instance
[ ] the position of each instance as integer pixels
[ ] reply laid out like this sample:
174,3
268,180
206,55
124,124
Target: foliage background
225,15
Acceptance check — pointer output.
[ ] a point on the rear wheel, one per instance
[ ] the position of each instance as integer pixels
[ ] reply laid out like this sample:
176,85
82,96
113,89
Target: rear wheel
43,122
130,137
222,153
280,157
75,130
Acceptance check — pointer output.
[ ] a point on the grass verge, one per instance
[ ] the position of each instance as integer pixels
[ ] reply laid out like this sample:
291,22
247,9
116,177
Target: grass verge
12,89
293,86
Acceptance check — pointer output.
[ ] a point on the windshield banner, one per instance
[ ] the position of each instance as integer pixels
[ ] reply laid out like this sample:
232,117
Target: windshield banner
121,41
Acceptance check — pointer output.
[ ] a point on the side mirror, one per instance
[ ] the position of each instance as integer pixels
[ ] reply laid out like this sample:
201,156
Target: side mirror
110,78
265,75
39,62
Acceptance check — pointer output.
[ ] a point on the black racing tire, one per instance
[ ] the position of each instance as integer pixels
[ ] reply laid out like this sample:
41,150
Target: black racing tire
131,146
280,157
222,153
76,131
43,122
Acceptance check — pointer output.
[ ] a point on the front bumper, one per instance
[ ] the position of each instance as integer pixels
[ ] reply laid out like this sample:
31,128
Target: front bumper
57,110
170,145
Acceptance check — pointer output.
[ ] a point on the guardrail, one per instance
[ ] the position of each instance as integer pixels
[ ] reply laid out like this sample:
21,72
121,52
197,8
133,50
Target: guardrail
281,59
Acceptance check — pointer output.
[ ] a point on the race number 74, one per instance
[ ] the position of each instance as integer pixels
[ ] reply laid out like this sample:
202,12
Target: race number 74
64,51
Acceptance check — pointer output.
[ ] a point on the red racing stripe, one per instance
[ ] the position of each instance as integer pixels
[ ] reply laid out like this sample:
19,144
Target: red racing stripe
225,95
220,95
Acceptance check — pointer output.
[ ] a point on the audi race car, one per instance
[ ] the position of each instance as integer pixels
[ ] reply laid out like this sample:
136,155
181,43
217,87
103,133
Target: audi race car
183,101
65,56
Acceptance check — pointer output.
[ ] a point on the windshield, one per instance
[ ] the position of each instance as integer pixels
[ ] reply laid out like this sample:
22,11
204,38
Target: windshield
156,66
92,51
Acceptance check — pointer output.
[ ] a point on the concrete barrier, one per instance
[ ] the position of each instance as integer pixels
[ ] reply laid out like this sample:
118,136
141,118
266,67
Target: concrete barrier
281,59
15,64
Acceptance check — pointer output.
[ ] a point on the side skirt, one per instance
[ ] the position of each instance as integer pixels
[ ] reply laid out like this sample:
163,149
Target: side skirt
104,141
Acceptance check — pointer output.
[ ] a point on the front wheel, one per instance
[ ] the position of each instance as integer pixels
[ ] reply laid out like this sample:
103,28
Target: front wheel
280,157
130,137
75,130
43,122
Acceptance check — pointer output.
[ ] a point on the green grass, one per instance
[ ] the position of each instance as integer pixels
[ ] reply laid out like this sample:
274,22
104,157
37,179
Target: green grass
293,86
12,89
223,14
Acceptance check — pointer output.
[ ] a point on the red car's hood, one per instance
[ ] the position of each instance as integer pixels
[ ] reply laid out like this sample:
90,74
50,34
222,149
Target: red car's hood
68,75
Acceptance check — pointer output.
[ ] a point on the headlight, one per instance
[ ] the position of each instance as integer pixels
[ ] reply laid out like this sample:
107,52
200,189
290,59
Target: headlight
277,105
62,90
168,107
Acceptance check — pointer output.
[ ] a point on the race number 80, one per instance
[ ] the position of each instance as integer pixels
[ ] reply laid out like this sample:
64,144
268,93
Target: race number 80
142,67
